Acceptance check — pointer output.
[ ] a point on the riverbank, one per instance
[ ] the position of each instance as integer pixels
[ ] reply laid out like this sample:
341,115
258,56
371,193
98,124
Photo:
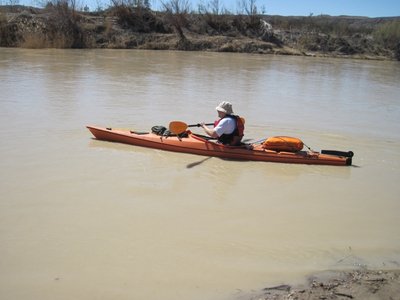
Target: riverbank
357,284
133,28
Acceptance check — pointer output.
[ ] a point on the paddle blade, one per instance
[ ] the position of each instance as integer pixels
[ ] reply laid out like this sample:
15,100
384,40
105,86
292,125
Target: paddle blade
177,127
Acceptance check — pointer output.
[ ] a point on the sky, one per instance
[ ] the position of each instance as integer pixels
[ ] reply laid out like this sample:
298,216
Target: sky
366,8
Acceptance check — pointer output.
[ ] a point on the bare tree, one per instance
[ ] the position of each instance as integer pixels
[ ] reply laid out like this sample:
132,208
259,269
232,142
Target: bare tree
176,6
99,5
215,7
131,3
248,7
12,2
177,11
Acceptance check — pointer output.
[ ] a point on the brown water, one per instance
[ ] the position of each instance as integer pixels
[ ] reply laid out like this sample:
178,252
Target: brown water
85,219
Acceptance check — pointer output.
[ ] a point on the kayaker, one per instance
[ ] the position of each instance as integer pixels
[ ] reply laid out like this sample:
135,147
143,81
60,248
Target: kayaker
229,128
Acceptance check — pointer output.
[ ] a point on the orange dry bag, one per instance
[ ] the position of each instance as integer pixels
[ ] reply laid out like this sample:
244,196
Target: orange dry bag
283,143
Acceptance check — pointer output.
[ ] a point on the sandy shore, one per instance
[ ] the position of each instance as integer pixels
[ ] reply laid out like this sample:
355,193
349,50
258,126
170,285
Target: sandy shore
357,284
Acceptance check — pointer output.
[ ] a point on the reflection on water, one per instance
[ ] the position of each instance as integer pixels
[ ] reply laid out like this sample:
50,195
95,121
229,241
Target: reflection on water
86,219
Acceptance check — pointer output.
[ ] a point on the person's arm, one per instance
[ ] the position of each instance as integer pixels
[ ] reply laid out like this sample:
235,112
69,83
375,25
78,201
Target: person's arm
210,131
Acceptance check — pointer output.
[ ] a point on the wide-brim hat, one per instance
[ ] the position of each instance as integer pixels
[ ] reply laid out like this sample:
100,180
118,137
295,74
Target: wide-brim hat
225,107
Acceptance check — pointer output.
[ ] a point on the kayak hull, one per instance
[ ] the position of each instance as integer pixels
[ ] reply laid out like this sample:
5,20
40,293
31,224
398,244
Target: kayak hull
196,145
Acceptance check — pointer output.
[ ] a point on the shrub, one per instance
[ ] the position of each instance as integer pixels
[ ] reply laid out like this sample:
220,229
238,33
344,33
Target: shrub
64,29
388,34
218,23
3,23
34,41
138,19
247,25
176,14
9,34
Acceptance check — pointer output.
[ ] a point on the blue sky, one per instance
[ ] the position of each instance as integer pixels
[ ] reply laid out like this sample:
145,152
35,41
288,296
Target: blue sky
368,8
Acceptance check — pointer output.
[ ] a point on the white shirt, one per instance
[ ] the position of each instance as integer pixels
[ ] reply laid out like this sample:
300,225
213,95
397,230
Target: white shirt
225,126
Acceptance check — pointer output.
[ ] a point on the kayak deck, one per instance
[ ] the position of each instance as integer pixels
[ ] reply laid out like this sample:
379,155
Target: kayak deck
194,144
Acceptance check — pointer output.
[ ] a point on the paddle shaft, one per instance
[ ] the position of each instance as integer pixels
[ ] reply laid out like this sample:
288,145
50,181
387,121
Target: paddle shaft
178,127
198,125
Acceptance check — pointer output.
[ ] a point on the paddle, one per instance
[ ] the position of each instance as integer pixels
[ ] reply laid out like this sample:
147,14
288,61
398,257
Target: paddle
178,127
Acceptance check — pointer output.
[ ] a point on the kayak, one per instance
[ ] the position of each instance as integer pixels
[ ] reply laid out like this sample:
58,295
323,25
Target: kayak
199,145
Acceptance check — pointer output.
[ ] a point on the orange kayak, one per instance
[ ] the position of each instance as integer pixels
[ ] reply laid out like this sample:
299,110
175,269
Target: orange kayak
195,144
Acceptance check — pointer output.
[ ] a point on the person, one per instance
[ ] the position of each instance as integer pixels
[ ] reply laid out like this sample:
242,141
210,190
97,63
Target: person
229,128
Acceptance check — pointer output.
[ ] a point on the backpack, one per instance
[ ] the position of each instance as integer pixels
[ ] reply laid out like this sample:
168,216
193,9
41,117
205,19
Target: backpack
159,130
163,131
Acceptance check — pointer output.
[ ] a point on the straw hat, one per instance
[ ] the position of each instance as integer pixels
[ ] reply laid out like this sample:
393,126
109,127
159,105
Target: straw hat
225,107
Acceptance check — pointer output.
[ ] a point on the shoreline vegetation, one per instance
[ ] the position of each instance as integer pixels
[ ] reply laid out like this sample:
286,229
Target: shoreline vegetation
135,26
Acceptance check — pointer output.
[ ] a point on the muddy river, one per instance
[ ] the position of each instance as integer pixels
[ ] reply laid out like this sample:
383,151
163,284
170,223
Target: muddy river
86,219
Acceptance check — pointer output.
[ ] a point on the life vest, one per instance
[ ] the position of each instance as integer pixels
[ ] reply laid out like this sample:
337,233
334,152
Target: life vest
234,138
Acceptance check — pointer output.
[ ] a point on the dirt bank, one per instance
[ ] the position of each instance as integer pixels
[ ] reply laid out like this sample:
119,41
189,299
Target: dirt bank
357,284
140,28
